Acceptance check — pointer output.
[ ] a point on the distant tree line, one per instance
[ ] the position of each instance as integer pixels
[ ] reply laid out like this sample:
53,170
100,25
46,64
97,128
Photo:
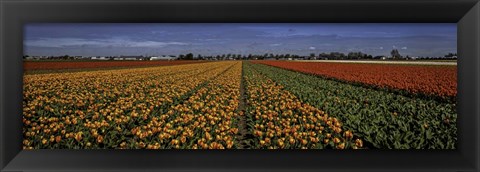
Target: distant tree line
271,56
395,55
62,57
451,55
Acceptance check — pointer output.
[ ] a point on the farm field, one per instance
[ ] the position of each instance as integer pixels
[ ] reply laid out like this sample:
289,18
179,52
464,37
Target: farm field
411,62
278,119
382,118
431,80
154,107
242,105
35,66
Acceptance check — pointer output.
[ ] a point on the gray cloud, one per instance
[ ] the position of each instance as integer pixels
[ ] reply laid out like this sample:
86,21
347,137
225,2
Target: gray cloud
113,42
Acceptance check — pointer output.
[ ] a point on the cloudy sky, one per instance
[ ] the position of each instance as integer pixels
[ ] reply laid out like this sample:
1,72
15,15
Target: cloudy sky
240,38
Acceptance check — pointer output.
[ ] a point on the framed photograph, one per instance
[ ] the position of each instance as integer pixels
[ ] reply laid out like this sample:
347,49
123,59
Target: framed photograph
239,86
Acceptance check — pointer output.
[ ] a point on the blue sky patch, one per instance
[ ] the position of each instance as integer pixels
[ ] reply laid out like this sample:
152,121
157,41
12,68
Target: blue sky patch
238,38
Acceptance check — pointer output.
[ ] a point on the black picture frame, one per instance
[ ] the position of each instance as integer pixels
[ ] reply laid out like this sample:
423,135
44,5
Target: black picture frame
14,14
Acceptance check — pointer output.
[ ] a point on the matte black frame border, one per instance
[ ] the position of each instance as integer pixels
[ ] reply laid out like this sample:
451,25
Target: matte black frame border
13,14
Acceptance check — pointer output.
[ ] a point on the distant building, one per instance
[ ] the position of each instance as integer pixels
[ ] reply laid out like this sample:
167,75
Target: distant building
131,58
163,58
99,58
36,57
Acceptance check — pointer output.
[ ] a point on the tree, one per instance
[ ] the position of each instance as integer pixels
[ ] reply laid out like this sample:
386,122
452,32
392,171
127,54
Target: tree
356,55
337,55
287,56
351,55
395,54
265,56
451,55
324,55
189,56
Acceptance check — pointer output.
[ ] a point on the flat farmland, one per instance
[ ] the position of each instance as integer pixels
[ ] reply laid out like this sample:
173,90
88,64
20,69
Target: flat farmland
382,118
413,62
180,106
424,79
79,65
243,105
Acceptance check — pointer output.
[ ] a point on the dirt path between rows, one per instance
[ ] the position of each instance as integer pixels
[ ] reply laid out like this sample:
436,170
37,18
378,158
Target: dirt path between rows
242,123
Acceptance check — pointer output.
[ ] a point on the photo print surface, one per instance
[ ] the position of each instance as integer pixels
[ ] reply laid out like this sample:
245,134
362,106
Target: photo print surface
240,86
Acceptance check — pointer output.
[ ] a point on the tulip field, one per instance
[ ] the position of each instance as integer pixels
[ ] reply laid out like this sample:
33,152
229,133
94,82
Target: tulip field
240,105
431,80
382,118
280,120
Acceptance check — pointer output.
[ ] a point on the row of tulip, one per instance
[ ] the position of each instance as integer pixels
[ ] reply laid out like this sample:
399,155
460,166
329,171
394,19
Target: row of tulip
439,81
279,120
205,120
383,119
101,109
